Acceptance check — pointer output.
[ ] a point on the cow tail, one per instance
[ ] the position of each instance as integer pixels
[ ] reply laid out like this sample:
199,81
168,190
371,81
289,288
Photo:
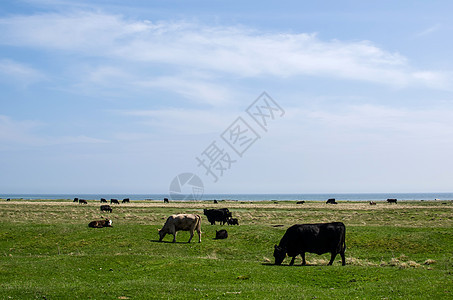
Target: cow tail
198,225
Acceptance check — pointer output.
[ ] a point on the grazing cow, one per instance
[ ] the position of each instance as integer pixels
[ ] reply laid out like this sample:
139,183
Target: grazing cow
184,222
103,200
165,200
331,201
372,203
101,223
126,200
232,221
391,200
82,201
215,201
9,199
300,202
314,238
106,208
114,201
76,200
221,234
220,215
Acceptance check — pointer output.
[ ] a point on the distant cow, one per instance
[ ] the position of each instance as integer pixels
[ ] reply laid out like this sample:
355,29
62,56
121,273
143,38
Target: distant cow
103,200
9,199
184,222
215,201
331,201
114,201
100,223
314,238
232,221
220,215
300,202
76,200
221,234
106,208
165,200
372,203
82,201
126,200
391,200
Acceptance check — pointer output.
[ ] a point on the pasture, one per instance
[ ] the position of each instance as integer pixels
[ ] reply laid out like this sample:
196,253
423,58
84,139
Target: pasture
394,251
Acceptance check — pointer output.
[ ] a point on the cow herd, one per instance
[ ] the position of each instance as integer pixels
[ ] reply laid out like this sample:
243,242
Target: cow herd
298,239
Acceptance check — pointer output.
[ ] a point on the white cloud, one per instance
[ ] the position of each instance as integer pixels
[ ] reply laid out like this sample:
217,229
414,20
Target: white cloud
179,121
18,72
230,51
25,133
429,30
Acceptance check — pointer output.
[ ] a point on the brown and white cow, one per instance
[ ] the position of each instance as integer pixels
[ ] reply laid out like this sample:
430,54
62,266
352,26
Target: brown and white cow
184,222
101,223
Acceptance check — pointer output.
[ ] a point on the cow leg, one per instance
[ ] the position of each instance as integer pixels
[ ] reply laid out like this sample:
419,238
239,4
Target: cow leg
191,236
343,260
304,262
174,237
292,261
332,258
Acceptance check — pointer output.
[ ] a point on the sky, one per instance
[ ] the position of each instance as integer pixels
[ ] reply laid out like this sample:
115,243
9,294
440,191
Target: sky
246,97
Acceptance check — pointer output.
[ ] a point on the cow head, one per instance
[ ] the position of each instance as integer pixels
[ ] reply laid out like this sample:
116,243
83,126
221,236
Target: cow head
107,223
279,254
161,234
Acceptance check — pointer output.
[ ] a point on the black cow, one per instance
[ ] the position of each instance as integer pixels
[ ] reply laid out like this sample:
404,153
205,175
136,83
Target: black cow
372,203
9,199
103,200
100,223
232,221
125,200
82,201
114,201
76,200
314,238
165,200
391,200
106,208
220,215
221,234
300,202
331,201
215,201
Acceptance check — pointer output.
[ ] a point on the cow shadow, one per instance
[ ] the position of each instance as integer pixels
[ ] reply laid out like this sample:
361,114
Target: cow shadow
284,265
169,242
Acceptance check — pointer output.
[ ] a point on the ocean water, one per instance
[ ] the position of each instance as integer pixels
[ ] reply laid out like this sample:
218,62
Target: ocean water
244,197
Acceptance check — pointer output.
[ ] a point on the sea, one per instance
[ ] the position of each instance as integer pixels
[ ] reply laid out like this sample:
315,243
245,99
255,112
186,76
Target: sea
243,197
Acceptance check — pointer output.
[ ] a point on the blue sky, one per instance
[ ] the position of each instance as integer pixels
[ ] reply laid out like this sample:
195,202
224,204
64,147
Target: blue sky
109,97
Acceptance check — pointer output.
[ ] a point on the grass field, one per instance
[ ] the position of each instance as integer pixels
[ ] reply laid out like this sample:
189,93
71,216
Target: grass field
394,251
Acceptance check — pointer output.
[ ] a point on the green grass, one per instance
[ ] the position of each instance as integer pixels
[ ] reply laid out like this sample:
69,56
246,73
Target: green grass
393,252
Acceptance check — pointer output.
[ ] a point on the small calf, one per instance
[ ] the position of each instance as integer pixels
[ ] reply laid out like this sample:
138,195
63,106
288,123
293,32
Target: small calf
232,221
221,234
100,223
